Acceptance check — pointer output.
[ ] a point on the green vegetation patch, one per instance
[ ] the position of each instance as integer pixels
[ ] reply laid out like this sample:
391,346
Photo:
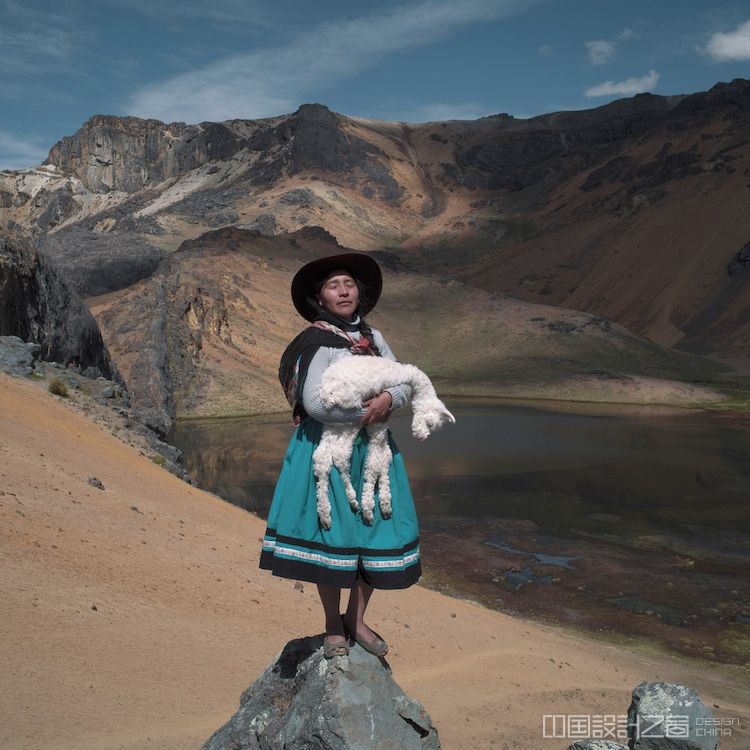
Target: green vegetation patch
58,387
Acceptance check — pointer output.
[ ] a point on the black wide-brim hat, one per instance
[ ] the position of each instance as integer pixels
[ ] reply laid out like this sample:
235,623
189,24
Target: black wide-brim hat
362,267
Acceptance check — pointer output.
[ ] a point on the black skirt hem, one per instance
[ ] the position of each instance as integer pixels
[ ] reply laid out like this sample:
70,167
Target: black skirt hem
344,579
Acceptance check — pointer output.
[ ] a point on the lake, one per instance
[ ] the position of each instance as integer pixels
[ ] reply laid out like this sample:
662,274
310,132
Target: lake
633,522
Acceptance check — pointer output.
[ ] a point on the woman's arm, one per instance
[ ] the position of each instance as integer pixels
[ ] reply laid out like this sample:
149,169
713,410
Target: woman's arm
400,394
311,393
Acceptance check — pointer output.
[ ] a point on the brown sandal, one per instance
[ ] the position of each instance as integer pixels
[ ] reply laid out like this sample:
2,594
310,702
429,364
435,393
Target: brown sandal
334,649
377,646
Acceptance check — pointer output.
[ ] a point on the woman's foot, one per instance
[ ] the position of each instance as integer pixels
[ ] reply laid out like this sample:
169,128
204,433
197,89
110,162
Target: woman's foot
336,642
335,645
367,638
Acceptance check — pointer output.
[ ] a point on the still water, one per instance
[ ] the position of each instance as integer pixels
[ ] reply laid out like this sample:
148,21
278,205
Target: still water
627,520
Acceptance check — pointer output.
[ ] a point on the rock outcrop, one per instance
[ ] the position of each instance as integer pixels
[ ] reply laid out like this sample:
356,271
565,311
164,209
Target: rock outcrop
37,305
96,262
127,153
17,357
304,702
665,716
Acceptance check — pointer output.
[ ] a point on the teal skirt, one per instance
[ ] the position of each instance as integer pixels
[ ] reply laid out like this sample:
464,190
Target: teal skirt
384,555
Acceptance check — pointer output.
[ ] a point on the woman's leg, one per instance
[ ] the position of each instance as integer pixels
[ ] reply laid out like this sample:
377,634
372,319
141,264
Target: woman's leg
355,611
330,596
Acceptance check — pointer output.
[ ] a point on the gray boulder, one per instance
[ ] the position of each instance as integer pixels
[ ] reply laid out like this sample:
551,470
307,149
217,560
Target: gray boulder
17,357
597,745
304,702
664,716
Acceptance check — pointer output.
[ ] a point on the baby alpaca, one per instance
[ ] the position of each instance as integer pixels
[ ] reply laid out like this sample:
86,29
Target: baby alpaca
334,449
347,383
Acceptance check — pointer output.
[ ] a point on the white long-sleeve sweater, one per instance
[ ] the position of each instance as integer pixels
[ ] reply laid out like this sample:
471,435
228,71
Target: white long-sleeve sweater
400,394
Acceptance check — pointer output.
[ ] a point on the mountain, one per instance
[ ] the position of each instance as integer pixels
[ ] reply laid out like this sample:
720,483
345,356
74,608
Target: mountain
633,213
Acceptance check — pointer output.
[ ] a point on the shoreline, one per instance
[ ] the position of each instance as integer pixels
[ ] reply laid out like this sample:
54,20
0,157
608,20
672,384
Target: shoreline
141,605
548,402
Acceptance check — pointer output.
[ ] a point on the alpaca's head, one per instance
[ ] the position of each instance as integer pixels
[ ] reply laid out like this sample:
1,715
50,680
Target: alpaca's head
427,420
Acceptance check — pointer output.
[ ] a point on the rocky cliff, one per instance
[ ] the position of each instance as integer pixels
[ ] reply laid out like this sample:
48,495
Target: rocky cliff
127,153
37,305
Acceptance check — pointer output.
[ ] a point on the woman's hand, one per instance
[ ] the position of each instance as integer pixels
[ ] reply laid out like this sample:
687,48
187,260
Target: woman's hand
378,408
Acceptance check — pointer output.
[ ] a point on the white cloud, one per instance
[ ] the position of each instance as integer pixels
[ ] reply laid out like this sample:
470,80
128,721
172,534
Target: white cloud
276,80
545,50
232,13
16,153
626,34
31,41
627,87
733,45
600,51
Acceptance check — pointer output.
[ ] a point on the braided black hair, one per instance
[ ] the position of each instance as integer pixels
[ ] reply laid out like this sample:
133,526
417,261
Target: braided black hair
365,330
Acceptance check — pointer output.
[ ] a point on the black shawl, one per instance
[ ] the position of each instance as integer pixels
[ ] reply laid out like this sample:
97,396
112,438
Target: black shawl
296,358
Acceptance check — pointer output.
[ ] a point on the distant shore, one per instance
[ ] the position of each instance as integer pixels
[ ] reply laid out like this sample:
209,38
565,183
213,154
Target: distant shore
730,397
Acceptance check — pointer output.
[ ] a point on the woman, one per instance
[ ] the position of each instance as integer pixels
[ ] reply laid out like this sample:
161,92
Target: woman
334,294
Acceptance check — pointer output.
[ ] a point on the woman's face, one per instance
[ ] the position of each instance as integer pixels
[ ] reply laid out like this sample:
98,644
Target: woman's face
340,294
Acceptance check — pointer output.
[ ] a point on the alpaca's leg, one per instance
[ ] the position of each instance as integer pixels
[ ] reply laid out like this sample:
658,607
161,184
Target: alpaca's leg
322,465
368,494
376,472
341,452
384,483
370,476
342,459
385,457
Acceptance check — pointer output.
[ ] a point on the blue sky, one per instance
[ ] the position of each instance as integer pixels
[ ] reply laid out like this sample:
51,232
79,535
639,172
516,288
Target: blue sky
191,60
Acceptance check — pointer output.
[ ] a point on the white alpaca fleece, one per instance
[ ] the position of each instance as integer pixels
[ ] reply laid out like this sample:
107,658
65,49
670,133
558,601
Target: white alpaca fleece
346,383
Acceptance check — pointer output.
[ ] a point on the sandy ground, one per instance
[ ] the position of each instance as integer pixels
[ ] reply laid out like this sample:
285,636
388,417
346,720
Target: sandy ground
134,616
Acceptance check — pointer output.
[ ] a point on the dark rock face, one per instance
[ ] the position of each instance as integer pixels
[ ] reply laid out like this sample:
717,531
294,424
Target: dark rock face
312,140
735,94
150,379
741,262
96,263
57,206
127,153
305,702
547,150
518,160
37,305
263,224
